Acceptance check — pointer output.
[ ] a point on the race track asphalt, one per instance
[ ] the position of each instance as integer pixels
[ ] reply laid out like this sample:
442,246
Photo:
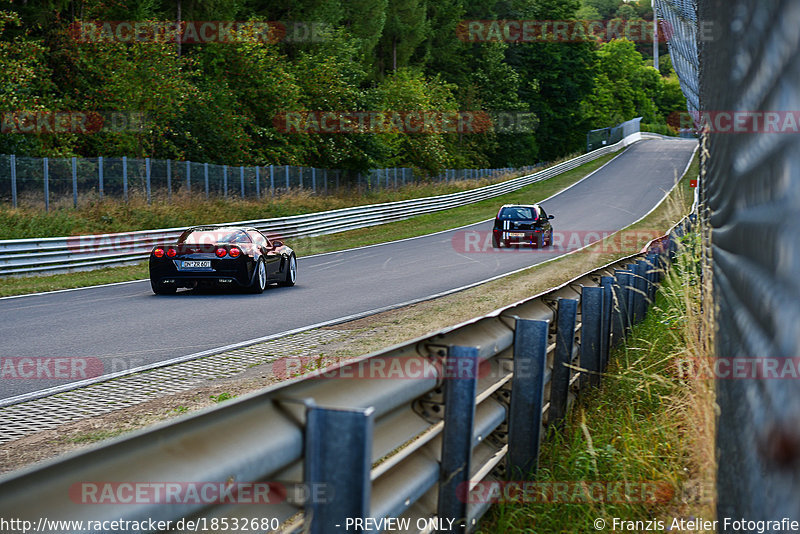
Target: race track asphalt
124,326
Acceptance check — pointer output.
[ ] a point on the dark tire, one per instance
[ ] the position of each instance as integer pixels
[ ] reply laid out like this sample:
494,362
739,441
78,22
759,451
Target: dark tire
540,240
162,290
495,242
259,282
291,273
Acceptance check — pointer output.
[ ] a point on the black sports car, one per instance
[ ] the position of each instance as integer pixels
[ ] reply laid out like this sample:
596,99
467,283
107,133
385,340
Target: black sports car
222,256
518,224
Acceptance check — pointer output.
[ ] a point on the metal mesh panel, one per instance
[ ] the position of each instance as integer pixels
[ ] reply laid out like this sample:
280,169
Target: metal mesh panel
749,63
681,28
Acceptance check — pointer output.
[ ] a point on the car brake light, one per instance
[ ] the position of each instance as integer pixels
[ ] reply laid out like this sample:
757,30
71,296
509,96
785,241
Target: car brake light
158,253
234,252
220,252
171,252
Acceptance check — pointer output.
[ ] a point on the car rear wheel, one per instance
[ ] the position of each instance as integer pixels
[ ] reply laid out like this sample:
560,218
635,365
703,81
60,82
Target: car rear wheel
161,289
540,240
291,273
259,278
495,242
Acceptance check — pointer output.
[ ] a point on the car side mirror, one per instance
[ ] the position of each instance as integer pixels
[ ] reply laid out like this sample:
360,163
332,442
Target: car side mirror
551,216
276,244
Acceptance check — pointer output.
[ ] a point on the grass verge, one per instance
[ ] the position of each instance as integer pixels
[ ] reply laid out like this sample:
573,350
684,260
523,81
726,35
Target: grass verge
413,227
649,429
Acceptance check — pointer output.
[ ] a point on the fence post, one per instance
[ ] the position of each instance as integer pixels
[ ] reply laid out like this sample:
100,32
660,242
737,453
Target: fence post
13,180
286,167
169,179
75,182
225,181
188,177
46,163
125,177
565,342
314,179
300,177
527,397
591,335
325,179
241,178
272,180
205,176
457,438
100,175
147,172
258,183
338,459
404,175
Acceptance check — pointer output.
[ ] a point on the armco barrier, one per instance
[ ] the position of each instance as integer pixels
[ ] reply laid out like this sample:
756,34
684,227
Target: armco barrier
59,254
390,445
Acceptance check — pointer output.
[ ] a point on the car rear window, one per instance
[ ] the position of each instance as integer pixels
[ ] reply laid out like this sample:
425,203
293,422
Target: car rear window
518,213
209,237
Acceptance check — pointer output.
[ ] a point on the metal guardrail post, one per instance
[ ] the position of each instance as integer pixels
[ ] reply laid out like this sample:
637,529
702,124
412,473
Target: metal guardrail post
286,168
125,177
188,177
314,179
13,163
607,282
527,397
100,176
147,173
46,171
624,296
565,341
300,177
591,335
75,182
642,290
338,458
205,177
258,183
459,419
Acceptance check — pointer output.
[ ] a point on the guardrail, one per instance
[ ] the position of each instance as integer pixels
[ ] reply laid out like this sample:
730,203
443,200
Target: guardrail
60,254
374,437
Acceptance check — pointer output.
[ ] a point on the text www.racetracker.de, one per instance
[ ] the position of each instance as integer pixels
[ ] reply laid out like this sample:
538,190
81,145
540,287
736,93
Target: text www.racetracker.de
202,524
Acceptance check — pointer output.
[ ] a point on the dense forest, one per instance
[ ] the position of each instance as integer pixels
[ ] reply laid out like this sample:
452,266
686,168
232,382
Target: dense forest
217,100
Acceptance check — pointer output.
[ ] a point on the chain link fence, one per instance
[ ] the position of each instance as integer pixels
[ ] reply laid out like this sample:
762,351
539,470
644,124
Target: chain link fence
748,67
47,181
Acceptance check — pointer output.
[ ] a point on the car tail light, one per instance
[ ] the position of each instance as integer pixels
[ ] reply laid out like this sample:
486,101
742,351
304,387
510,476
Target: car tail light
220,252
158,253
234,252
171,252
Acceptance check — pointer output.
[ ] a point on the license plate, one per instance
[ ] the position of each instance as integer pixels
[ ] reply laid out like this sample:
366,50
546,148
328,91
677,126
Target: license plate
516,234
196,264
